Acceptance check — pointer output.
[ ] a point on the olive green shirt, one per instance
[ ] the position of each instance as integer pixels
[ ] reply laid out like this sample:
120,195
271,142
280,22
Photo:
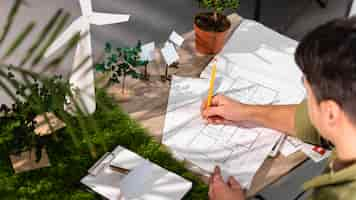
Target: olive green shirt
340,185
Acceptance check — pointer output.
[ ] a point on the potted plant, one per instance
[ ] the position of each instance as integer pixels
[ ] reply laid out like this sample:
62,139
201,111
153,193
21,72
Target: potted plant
211,27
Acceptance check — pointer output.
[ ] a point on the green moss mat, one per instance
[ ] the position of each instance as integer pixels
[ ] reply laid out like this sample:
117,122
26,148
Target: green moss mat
70,162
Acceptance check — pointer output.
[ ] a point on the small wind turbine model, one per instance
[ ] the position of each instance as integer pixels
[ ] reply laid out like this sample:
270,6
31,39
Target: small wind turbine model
82,76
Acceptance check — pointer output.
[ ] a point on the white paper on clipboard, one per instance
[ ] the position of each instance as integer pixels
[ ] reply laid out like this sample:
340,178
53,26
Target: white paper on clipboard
103,180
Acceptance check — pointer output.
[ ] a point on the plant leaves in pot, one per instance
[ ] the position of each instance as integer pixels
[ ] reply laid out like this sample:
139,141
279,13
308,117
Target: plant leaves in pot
211,28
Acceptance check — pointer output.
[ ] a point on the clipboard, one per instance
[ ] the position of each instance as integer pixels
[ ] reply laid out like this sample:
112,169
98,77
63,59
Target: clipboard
109,177
103,179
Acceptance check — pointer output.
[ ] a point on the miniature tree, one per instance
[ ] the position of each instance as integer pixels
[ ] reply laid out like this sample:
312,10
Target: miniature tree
122,62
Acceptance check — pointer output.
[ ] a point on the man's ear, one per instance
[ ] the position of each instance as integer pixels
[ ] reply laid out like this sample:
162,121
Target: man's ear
331,112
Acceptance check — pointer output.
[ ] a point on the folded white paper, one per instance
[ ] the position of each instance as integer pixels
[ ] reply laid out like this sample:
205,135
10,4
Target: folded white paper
176,38
290,146
148,51
169,53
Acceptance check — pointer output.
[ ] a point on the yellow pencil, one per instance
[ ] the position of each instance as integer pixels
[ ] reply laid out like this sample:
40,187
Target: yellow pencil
211,88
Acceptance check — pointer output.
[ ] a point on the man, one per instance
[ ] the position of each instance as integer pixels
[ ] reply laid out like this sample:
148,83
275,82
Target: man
327,58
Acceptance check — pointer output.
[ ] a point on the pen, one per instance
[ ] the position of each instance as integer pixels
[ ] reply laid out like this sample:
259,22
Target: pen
277,146
119,169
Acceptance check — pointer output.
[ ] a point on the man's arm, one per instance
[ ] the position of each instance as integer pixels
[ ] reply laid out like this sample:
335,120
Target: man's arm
225,110
277,117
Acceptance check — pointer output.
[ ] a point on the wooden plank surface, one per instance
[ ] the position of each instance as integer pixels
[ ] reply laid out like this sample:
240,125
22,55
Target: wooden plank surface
148,101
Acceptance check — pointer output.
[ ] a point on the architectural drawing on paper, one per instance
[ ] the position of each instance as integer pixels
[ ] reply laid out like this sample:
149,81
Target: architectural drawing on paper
239,150
231,137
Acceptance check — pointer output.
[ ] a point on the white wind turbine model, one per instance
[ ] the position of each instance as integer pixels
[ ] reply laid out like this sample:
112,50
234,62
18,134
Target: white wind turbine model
82,76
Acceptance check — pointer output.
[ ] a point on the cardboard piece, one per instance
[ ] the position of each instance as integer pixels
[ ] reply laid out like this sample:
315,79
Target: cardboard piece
43,127
26,161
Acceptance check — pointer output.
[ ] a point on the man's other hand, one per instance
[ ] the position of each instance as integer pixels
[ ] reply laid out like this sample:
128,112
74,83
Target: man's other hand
219,190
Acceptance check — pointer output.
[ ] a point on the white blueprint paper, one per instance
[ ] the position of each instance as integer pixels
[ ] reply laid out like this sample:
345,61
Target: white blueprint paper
238,150
252,69
260,54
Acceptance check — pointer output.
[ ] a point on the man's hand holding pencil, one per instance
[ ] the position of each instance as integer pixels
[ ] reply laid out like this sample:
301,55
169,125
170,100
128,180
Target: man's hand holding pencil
219,109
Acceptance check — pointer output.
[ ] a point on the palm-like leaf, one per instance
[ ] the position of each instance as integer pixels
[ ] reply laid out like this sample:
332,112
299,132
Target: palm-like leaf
46,94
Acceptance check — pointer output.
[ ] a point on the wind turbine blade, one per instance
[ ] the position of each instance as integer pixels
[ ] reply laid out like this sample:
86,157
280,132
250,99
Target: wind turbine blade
82,77
77,26
86,7
104,18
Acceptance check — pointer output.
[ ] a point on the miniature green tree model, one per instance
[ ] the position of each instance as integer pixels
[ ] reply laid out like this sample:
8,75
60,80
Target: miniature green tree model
122,62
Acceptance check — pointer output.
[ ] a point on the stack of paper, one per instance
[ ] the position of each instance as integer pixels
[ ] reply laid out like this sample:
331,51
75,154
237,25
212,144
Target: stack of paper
238,150
255,67
290,146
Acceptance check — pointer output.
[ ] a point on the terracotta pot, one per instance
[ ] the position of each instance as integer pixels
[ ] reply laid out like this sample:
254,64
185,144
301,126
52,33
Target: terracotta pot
209,42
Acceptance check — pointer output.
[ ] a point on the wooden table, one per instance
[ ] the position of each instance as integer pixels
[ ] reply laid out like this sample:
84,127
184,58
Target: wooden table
149,101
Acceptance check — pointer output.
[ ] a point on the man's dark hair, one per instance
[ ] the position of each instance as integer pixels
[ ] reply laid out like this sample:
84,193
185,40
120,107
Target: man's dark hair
327,57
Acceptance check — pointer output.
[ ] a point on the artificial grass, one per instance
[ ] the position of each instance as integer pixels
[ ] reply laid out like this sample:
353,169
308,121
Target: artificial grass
70,157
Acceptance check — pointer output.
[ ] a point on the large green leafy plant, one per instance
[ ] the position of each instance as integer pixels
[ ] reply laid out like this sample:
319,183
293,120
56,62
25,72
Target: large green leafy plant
41,97
32,93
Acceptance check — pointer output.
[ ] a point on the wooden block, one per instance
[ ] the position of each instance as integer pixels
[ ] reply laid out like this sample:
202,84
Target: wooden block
43,126
26,161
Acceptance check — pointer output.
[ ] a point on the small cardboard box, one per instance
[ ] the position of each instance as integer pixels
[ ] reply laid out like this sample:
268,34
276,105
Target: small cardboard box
44,127
26,161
